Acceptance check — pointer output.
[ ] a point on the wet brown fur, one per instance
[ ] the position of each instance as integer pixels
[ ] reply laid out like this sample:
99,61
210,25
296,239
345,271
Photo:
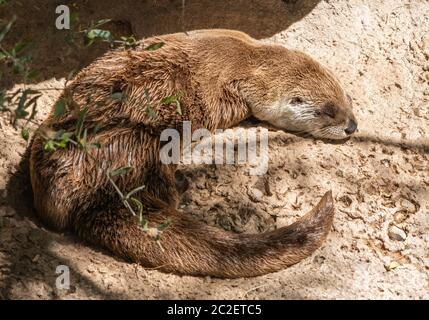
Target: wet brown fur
223,75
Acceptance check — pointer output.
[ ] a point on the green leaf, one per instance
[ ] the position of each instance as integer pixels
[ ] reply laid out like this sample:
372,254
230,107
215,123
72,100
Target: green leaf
97,128
60,139
99,23
61,144
25,134
49,145
150,112
87,42
18,48
7,28
58,134
155,46
85,136
169,100
3,56
134,191
20,65
65,136
164,225
80,122
173,99
99,33
60,108
139,206
33,74
129,41
120,171
95,145
74,17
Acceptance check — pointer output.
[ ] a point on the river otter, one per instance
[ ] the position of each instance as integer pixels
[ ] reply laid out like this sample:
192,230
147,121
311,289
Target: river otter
224,77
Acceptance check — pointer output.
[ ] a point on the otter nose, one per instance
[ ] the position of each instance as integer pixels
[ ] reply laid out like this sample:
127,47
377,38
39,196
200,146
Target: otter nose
351,127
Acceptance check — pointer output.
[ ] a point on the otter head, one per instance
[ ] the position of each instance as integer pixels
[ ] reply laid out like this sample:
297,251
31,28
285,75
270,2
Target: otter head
293,92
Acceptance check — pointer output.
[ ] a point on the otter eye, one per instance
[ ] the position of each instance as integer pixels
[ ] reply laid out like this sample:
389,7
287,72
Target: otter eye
296,100
330,110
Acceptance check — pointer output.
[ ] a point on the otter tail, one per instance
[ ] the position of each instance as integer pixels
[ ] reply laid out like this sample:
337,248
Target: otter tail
190,247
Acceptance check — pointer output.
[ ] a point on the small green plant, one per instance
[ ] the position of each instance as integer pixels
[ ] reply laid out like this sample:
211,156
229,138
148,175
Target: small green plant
22,103
149,109
20,63
95,33
174,99
62,139
155,46
134,205
128,42
22,106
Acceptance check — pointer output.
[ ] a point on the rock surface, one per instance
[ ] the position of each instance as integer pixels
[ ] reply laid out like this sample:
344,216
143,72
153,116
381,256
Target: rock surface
379,178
